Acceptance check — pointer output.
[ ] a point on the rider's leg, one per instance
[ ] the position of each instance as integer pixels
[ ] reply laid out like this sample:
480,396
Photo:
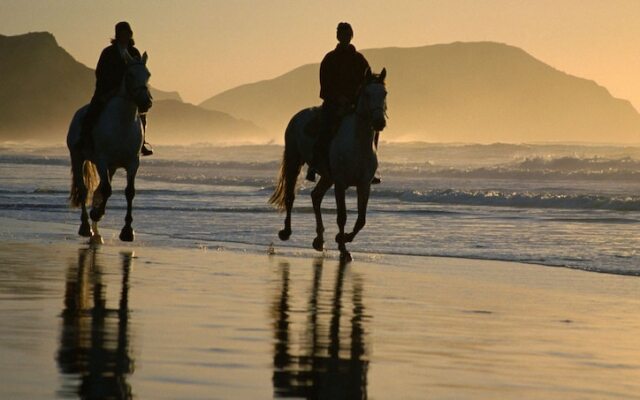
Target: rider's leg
376,177
88,122
146,150
328,122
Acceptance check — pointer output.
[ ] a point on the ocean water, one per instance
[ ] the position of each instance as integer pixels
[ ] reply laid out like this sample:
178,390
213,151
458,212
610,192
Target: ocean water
571,205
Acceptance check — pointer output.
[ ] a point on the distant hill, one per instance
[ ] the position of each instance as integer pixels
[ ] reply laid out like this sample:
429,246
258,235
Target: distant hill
174,122
42,85
468,92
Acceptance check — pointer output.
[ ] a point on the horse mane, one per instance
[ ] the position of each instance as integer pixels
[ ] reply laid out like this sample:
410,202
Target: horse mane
375,78
369,79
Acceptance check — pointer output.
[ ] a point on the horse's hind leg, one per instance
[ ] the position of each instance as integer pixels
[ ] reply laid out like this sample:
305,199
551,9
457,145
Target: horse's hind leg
342,221
363,200
292,170
127,234
100,197
317,194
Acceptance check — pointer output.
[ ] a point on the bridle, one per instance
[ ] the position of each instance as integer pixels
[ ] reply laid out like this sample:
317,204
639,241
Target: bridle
133,92
363,96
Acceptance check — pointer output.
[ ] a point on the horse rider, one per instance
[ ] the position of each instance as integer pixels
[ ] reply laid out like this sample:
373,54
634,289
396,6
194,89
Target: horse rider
109,75
342,74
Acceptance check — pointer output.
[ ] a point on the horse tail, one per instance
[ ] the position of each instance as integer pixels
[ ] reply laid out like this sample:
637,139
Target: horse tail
288,175
277,199
91,180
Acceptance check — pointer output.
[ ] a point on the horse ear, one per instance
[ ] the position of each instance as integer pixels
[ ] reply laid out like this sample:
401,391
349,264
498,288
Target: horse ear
145,57
383,74
367,73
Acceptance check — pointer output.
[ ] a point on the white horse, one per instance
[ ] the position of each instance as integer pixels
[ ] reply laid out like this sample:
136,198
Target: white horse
117,140
352,161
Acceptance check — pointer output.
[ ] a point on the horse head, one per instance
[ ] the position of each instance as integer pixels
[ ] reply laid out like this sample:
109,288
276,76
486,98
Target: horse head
373,99
136,81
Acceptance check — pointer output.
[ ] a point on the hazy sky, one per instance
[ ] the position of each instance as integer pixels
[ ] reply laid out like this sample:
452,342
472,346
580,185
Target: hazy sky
203,47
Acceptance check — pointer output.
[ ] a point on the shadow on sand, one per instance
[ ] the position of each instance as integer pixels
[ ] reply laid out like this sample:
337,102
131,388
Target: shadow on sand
323,361
94,355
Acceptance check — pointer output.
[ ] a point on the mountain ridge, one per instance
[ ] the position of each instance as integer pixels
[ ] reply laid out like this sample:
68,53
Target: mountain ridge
457,91
36,69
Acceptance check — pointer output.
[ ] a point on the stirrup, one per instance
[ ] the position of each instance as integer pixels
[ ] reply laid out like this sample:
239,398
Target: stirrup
146,150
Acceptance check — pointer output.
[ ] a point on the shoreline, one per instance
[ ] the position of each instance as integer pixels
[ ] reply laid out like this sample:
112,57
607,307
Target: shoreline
31,231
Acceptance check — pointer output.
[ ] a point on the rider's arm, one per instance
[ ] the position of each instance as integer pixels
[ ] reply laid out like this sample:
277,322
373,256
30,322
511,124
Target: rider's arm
102,69
327,85
364,64
101,64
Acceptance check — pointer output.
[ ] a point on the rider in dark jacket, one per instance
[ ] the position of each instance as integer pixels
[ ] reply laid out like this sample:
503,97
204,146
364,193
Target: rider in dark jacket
342,73
109,74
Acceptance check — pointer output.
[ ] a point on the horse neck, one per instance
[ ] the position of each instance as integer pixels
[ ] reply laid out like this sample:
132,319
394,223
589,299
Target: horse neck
126,104
363,130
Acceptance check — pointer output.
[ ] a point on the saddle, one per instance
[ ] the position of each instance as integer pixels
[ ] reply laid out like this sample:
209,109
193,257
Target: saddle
312,129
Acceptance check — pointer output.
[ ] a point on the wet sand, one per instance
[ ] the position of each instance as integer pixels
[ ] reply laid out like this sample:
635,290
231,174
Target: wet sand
176,323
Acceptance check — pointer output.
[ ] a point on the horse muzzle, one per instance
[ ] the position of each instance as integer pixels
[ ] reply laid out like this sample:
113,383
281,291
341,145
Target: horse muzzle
379,124
145,106
144,101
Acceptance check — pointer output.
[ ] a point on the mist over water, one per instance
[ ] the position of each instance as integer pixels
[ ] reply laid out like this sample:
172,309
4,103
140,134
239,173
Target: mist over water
561,205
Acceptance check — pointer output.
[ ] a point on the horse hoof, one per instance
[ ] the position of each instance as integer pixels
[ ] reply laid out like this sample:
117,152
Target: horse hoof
284,234
127,234
96,240
345,256
85,230
318,244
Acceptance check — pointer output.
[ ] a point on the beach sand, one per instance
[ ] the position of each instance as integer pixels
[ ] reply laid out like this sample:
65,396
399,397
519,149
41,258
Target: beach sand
159,322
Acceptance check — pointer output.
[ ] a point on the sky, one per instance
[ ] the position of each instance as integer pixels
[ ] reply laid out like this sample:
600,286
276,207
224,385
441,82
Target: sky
200,48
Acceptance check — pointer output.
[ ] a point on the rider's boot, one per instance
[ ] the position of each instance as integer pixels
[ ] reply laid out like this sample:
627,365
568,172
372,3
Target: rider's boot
146,150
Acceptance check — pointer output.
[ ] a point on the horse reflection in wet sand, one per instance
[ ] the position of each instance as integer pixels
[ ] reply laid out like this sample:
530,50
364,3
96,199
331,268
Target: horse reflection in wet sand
94,343
330,363
352,162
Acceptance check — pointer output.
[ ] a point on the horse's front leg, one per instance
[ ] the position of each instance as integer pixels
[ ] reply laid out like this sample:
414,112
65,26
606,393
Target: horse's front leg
85,228
363,199
317,194
100,197
342,221
127,234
